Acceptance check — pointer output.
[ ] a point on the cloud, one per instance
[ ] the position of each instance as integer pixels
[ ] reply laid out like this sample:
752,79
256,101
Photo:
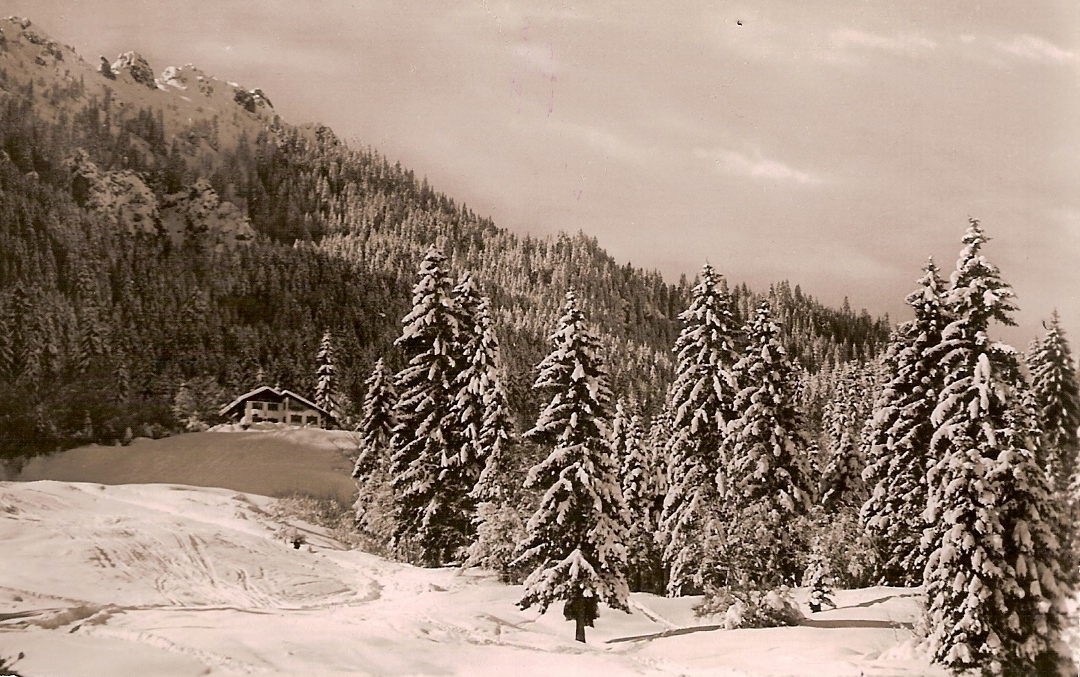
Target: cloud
1034,48
852,39
754,166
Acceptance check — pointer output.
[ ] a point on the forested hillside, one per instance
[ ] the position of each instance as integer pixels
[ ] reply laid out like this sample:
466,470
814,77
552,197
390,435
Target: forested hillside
169,242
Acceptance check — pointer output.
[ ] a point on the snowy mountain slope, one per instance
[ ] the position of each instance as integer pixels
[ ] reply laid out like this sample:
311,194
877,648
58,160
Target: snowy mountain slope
174,580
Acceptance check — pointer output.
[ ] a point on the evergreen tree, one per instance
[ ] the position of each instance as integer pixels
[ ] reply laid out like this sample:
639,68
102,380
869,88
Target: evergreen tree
818,580
576,537
424,444
480,409
376,424
995,584
841,479
700,405
1055,395
898,439
764,455
640,492
325,388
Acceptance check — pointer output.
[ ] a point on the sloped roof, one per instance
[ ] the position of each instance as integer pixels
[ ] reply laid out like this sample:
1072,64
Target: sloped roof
279,392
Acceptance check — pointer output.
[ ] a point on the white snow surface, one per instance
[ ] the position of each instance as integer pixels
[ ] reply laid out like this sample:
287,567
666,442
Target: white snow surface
173,580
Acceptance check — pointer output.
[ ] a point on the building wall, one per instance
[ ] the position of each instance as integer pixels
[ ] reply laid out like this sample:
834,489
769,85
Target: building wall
288,411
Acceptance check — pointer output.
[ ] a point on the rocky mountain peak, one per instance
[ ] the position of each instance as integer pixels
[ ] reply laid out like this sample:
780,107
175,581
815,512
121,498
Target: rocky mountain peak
136,66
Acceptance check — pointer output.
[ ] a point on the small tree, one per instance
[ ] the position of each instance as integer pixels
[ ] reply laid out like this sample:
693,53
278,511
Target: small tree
1055,395
373,431
325,393
575,538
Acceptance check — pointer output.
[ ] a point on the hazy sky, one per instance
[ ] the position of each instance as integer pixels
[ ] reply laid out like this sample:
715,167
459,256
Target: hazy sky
834,144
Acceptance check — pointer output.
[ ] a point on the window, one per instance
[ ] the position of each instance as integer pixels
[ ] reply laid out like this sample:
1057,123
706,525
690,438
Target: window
311,419
296,418
256,405
272,406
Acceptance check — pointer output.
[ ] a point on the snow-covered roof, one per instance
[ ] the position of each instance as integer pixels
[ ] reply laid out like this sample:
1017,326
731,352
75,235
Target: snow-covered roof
279,393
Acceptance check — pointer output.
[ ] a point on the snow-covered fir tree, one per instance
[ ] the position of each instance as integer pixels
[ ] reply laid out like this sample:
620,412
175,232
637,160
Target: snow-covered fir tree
897,442
1055,395
639,490
700,404
764,454
325,375
374,430
818,580
376,424
575,539
480,410
841,478
426,441
996,588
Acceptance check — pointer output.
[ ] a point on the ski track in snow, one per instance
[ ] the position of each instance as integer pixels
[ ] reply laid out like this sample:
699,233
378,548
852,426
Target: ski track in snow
170,580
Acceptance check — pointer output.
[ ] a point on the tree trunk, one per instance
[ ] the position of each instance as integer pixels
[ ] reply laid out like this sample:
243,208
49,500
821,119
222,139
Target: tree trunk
580,634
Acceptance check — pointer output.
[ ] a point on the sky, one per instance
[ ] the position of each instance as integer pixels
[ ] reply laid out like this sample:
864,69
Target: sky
836,145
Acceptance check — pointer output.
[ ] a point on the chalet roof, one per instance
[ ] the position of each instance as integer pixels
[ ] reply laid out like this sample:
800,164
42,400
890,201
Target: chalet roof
277,392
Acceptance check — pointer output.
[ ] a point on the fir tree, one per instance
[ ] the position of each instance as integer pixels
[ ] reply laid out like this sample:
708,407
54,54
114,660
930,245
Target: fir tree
480,409
700,405
994,580
576,537
325,388
639,491
424,444
841,479
764,452
898,439
1055,395
376,424
817,579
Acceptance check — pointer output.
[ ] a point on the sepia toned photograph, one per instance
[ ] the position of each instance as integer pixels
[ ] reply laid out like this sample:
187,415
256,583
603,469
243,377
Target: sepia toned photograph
487,339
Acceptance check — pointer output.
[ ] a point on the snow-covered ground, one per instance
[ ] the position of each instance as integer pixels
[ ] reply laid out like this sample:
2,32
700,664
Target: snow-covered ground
175,580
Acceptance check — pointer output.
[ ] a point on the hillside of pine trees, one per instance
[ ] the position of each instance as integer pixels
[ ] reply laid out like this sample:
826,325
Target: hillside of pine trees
175,234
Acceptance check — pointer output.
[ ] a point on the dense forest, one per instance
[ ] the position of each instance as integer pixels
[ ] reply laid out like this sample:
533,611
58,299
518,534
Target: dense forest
154,246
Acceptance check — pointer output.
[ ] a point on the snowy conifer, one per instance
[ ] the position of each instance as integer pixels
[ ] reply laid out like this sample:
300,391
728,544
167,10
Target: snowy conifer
325,394
897,442
764,456
817,579
994,581
639,491
841,478
764,447
424,445
376,424
700,404
1055,395
576,537
480,410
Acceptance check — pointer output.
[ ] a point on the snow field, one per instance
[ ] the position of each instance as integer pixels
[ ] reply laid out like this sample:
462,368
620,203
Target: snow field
174,580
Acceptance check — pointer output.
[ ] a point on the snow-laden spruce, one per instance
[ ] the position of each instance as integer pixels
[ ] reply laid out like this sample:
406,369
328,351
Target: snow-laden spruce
700,404
482,413
764,479
480,410
326,380
898,439
376,424
842,484
764,447
1055,395
425,445
576,538
640,489
996,590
